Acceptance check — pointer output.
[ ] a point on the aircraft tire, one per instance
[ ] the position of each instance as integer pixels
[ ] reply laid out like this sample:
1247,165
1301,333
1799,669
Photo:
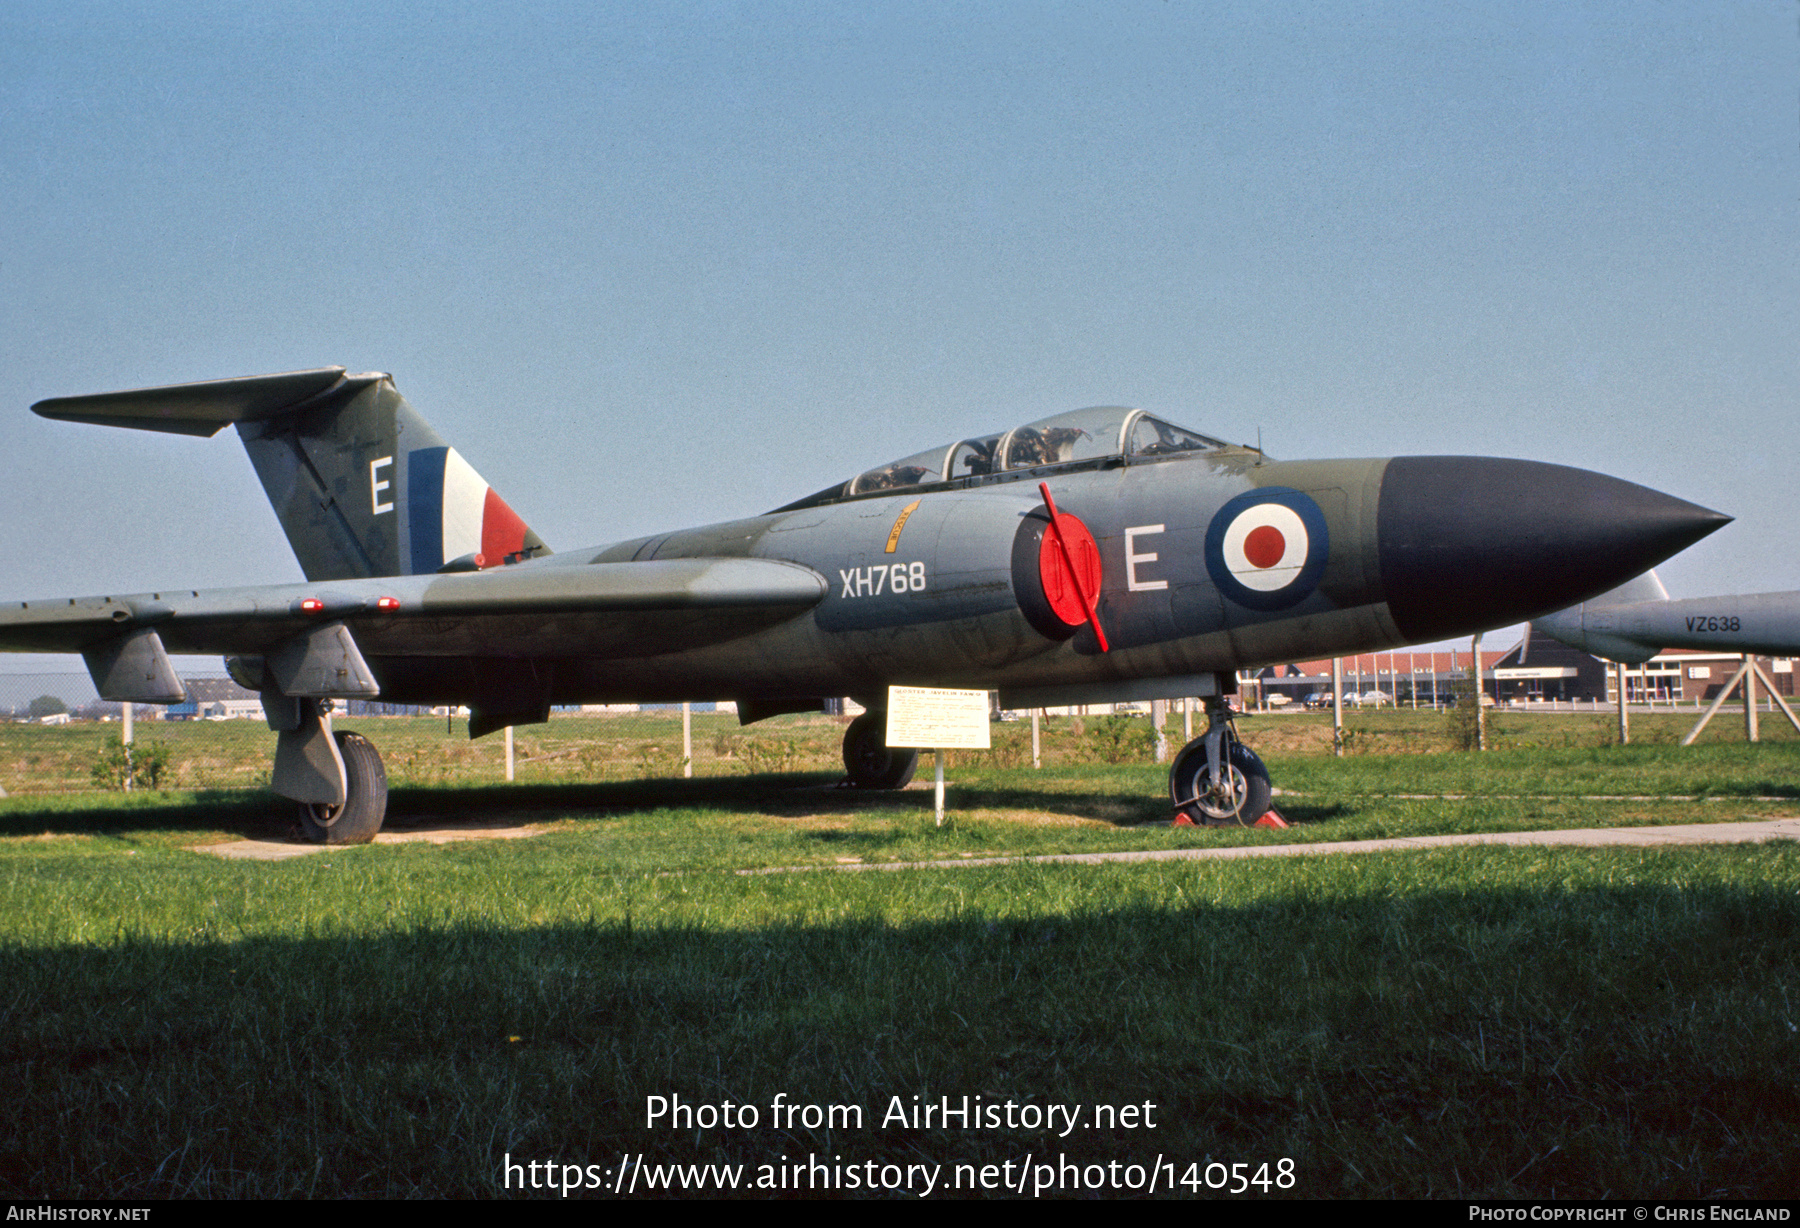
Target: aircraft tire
868,760
365,800
1191,788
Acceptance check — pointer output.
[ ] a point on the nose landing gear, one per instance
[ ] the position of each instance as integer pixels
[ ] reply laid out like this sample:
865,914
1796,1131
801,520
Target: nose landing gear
869,763
1217,781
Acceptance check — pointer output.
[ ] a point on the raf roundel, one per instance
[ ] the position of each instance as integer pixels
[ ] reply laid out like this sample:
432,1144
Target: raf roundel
1267,548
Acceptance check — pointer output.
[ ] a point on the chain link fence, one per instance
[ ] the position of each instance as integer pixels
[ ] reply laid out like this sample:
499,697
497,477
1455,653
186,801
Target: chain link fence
57,735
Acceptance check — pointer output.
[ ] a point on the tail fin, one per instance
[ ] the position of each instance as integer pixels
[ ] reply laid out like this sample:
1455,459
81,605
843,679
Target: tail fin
362,484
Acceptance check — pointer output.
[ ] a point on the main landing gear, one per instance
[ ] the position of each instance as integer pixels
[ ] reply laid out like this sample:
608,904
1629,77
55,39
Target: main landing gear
365,797
869,762
335,777
1216,780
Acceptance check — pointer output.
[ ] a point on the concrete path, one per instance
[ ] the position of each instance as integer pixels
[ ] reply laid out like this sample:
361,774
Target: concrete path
281,850
1754,832
1549,797
1591,837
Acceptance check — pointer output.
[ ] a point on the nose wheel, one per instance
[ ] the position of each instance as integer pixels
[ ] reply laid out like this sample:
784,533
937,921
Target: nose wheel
1217,781
869,762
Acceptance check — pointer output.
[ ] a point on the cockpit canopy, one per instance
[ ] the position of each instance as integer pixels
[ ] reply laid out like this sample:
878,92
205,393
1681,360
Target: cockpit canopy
1095,435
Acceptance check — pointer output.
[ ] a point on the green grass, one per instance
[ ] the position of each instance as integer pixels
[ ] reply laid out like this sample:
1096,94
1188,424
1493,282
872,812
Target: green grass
423,751
800,820
429,751
396,1019
1477,1022
1720,769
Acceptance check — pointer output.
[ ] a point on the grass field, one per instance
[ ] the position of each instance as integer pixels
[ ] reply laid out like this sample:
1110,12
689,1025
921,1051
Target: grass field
208,755
401,1019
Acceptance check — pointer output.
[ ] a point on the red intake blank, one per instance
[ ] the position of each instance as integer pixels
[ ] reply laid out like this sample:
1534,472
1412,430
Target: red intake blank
1069,566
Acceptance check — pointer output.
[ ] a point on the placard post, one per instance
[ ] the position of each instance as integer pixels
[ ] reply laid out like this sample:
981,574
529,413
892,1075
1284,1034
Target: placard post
937,719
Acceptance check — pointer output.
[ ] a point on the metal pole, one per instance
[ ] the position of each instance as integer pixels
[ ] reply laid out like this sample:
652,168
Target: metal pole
1159,714
1480,694
1624,720
1187,720
687,738
125,740
1037,759
1337,706
940,787
509,754
1749,699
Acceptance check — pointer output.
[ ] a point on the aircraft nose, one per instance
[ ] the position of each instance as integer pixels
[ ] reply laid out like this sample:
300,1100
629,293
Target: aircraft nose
1468,543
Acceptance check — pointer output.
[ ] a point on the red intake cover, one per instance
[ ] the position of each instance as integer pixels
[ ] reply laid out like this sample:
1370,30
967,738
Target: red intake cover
1059,588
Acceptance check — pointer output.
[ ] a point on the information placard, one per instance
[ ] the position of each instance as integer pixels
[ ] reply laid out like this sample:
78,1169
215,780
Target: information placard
937,718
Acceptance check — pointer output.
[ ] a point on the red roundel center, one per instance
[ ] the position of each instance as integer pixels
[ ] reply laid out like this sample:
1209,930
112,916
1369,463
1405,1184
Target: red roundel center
1059,586
1264,546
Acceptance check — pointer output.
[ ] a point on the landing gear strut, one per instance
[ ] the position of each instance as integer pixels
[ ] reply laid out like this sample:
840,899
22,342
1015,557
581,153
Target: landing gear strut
365,797
869,761
1217,781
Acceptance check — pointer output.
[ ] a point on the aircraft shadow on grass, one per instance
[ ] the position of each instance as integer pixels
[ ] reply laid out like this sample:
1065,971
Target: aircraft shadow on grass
788,796
233,1029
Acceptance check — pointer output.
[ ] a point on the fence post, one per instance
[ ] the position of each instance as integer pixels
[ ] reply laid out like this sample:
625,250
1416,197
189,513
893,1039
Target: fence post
1480,694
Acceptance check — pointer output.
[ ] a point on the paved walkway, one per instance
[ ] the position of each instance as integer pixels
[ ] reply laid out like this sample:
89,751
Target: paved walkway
1549,797
1591,837
1754,832
281,850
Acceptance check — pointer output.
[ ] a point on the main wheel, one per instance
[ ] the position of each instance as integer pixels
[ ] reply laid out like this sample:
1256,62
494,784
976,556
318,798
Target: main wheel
365,797
1241,797
869,761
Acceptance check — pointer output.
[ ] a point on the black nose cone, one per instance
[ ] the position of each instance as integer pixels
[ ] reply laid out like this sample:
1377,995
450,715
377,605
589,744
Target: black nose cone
1469,543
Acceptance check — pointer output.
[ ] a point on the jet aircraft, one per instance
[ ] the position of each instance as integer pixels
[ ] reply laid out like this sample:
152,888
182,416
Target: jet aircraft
1096,556
1637,621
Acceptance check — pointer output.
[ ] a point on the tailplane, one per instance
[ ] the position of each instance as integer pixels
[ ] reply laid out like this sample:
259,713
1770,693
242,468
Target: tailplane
361,483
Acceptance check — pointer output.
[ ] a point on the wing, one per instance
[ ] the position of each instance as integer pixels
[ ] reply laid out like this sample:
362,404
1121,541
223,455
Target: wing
605,610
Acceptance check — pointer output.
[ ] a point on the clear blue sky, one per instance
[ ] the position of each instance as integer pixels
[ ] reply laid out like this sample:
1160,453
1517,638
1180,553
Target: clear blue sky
656,265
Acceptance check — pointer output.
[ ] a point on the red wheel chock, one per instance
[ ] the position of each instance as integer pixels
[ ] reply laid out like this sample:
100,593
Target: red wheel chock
1270,819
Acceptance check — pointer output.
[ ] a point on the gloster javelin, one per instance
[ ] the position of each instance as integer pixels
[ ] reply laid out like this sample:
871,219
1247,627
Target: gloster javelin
1095,556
